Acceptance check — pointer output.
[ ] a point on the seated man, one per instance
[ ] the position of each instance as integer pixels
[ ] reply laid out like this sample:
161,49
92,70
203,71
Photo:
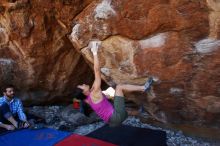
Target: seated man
11,110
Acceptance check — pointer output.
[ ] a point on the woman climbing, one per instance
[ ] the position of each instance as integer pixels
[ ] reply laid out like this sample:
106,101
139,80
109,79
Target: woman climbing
113,115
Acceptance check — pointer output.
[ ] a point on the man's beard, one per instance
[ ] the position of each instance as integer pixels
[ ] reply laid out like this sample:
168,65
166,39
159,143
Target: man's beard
10,96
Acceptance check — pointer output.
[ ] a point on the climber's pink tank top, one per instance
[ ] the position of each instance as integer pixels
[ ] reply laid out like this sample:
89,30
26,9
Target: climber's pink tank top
103,109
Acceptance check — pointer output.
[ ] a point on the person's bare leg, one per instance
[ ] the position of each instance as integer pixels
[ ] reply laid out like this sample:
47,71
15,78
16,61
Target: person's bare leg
13,121
119,101
120,89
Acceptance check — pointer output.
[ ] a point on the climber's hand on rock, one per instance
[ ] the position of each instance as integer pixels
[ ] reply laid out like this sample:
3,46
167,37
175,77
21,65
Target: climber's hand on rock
94,45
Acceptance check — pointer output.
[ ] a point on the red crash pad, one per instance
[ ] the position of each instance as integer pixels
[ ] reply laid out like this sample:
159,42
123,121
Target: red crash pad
78,140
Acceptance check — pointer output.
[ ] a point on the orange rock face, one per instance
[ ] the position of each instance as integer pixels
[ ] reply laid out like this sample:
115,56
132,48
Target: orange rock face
35,53
176,41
